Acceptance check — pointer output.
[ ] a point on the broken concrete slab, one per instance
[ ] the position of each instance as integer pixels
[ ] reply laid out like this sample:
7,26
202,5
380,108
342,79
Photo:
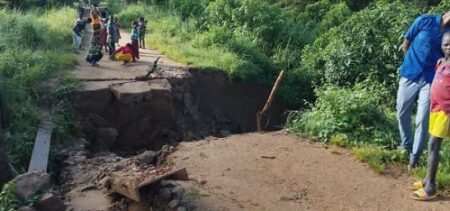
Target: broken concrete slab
140,91
41,148
129,181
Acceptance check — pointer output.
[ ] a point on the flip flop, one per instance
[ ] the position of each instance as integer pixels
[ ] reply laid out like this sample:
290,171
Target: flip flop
421,195
417,186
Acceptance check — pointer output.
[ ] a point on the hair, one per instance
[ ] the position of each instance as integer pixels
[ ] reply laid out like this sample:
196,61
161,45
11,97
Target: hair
128,45
134,23
89,20
446,34
141,18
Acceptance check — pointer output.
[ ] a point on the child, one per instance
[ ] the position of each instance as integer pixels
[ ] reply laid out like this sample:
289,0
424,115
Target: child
94,53
134,39
142,28
439,126
103,35
125,54
116,21
111,38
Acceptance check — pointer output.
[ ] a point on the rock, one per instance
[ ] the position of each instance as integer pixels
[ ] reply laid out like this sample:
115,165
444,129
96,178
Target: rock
164,193
202,181
147,157
180,175
225,133
26,208
177,192
174,203
88,187
49,202
167,183
105,137
29,183
105,182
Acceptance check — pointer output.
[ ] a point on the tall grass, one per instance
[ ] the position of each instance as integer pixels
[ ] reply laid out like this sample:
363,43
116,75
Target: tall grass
248,49
33,46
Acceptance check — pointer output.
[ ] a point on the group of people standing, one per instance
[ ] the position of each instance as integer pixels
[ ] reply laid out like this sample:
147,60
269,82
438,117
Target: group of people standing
425,78
106,33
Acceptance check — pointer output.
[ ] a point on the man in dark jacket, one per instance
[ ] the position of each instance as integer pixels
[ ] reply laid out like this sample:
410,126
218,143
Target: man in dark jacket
78,27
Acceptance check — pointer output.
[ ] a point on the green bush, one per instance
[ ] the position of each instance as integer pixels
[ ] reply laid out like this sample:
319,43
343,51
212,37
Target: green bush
353,116
33,46
188,8
365,46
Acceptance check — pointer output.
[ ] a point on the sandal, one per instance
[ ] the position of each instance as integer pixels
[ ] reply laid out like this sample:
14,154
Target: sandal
421,195
417,186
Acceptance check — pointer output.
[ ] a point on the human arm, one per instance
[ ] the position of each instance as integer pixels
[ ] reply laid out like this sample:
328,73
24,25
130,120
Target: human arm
405,45
411,33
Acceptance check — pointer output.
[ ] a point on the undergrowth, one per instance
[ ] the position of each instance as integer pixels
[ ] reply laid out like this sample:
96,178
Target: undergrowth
34,45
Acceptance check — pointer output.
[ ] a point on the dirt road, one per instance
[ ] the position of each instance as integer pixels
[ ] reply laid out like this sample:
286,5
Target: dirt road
271,171
277,171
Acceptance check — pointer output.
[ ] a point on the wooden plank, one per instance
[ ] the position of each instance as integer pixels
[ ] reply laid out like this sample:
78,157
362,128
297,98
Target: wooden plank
41,149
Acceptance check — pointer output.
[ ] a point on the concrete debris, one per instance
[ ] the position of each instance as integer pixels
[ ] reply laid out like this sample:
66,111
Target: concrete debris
49,202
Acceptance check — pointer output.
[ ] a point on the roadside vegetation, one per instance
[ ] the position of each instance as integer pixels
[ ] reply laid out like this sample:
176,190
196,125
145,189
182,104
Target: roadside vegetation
341,57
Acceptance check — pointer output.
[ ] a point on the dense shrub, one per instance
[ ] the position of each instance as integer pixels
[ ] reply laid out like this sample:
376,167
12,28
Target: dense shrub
350,116
32,47
367,45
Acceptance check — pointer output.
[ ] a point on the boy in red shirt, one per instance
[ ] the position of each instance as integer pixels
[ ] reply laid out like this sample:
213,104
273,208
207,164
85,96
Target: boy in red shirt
439,125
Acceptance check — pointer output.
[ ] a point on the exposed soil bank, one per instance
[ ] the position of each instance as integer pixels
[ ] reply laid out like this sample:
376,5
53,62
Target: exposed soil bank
170,108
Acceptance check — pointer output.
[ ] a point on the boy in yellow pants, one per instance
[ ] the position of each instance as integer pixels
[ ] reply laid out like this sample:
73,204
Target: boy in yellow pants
439,126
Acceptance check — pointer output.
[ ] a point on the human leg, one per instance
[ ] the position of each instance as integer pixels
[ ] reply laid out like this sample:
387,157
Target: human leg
76,41
422,122
434,146
407,93
112,48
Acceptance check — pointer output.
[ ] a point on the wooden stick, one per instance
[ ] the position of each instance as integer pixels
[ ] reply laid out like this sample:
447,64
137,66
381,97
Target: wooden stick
268,103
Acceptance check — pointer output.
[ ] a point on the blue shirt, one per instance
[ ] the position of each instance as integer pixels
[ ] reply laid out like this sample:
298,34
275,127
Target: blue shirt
425,36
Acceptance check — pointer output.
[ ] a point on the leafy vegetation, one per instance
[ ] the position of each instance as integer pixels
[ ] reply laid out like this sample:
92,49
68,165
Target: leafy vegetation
33,46
8,198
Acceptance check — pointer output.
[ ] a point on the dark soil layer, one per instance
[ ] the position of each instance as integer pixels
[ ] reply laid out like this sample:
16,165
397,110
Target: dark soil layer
167,110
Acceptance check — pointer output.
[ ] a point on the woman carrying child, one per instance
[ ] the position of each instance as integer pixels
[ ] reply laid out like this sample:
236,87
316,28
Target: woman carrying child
439,125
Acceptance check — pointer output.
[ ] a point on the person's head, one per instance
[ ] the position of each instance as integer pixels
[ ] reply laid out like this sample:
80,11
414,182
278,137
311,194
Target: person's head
135,23
94,13
446,44
141,19
89,20
128,45
116,19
